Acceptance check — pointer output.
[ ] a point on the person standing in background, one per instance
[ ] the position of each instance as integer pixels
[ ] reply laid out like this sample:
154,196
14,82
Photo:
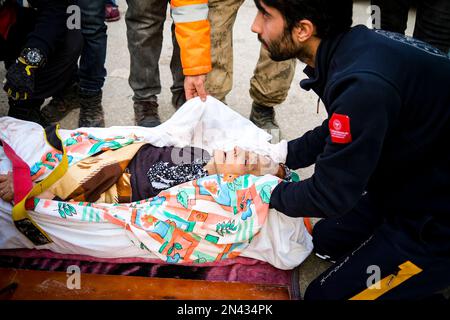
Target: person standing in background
432,20
40,54
190,58
86,92
271,81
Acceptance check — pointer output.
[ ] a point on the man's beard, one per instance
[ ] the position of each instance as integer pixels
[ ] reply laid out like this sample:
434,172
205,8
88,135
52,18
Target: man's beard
284,48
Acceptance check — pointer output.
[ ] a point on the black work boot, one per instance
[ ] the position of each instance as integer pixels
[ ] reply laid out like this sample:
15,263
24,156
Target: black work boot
91,109
146,114
60,106
28,110
178,99
264,117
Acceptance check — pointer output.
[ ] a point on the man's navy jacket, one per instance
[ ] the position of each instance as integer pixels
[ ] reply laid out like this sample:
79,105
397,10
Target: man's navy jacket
387,132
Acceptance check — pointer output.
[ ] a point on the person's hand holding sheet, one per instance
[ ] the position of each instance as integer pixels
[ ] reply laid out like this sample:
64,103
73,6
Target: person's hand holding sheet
194,86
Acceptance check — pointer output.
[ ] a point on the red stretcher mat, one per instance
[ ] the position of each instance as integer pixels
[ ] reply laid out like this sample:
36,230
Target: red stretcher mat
257,278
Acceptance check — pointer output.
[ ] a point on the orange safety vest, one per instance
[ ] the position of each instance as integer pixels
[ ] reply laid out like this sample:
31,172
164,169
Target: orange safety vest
192,31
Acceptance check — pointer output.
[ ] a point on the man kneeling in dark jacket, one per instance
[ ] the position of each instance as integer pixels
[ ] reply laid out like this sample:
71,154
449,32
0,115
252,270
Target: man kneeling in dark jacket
382,157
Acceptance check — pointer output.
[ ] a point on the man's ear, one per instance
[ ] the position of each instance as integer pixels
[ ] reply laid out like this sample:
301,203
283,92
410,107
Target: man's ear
304,30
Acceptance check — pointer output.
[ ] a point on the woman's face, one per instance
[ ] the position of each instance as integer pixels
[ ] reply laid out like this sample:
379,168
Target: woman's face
239,162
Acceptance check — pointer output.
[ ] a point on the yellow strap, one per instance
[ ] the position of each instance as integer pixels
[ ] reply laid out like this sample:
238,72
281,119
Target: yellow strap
407,270
27,66
20,215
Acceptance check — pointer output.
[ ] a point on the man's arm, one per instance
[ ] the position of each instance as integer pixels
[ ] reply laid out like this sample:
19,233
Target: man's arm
49,30
303,152
192,31
343,169
51,25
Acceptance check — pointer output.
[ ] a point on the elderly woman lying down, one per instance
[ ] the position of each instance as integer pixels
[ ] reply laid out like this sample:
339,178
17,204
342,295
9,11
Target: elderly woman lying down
130,192
203,210
147,170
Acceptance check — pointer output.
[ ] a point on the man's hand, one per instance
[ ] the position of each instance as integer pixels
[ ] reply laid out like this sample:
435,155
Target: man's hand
19,84
6,187
260,165
194,86
20,75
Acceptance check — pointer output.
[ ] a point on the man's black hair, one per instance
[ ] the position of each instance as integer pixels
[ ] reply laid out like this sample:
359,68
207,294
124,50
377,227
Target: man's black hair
330,17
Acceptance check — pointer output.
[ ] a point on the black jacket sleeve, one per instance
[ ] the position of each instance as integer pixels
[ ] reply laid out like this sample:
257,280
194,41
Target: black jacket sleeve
343,170
51,25
303,152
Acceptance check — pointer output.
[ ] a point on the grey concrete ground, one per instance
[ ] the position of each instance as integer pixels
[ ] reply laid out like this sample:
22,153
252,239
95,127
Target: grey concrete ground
295,116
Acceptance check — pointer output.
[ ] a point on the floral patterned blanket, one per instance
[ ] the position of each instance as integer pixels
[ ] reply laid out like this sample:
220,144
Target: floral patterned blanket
206,220
171,228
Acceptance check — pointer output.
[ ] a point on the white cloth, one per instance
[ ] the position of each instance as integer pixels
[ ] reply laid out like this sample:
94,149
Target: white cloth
283,241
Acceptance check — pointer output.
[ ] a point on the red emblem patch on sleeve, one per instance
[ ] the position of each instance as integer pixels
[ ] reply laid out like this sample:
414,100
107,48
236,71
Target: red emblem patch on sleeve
339,125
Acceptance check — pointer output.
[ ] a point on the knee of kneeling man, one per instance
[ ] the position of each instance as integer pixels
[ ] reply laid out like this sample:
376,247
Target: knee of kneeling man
316,291
319,232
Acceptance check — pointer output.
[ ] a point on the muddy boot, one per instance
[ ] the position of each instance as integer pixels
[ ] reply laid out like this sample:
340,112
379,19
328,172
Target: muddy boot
146,114
264,117
91,109
28,110
178,99
60,106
